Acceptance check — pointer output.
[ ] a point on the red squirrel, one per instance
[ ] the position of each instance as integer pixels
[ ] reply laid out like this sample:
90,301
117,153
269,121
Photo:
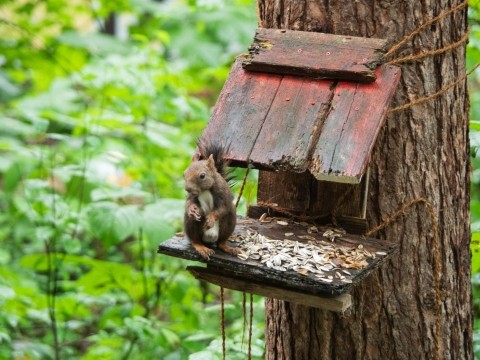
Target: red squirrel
210,216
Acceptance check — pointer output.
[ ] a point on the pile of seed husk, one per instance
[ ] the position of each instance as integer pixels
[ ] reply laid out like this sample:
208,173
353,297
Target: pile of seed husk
325,260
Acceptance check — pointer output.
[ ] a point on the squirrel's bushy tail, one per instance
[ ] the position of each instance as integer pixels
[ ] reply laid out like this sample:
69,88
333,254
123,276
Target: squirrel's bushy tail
218,151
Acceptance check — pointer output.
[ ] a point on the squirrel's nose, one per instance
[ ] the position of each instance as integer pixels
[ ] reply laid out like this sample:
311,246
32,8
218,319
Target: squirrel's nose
190,190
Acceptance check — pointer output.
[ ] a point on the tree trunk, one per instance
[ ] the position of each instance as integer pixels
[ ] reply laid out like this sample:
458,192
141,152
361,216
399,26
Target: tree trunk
424,151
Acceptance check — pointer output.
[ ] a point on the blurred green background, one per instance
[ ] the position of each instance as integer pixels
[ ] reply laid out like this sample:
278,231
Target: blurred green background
100,105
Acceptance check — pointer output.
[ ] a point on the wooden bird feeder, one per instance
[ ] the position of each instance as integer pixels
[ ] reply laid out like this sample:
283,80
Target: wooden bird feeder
302,102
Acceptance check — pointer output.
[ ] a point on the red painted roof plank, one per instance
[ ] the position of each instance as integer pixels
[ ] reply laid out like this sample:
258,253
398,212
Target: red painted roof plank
351,128
240,111
288,132
295,123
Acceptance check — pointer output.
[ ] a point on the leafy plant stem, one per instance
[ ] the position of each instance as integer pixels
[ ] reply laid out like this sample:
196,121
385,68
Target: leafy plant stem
148,157
51,297
85,158
52,269
131,345
144,272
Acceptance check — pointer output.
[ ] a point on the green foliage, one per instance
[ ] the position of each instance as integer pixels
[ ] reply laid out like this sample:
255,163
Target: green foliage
97,133
473,58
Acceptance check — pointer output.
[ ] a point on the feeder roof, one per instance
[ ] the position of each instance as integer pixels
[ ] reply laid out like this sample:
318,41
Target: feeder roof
305,101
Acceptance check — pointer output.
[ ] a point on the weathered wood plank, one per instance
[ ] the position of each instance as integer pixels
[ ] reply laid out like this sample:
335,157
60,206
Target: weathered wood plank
337,304
256,211
302,194
372,108
353,225
351,128
293,124
252,270
329,197
240,111
278,124
315,54
294,189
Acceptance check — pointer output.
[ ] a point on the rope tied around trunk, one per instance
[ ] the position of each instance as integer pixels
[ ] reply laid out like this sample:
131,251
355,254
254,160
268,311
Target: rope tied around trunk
422,55
426,24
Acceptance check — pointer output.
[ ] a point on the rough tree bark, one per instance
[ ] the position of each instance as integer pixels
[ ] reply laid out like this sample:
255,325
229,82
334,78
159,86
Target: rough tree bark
423,151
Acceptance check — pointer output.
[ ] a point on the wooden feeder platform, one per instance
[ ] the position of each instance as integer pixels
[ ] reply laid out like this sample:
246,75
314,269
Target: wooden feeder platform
253,276
301,102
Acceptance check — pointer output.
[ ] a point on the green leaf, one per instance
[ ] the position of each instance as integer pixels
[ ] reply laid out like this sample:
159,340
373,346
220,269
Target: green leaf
16,127
98,44
112,223
475,125
127,221
39,262
475,247
39,315
217,308
162,218
6,292
101,194
5,257
200,336
204,355
8,89
172,338
140,38
5,337
35,350
72,245
163,36
61,98
73,96
162,135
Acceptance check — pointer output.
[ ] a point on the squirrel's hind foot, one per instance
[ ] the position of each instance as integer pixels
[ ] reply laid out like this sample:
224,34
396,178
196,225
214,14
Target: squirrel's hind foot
204,251
228,249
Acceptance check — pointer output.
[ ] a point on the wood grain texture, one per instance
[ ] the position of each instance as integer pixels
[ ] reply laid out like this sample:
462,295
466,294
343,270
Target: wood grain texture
254,271
240,111
353,225
293,124
302,194
315,55
352,126
338,303
294,192
339,198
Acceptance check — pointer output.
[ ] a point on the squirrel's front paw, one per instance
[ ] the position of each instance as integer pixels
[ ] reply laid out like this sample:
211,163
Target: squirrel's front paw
210,221
194,212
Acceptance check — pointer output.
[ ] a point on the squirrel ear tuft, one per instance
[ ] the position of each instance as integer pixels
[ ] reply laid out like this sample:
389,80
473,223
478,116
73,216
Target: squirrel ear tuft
196,156
211,161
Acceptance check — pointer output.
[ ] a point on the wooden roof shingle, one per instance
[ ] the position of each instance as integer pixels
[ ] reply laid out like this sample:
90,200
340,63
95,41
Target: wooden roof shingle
278,121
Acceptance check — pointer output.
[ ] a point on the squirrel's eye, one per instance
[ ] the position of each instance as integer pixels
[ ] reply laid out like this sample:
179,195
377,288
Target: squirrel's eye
202,175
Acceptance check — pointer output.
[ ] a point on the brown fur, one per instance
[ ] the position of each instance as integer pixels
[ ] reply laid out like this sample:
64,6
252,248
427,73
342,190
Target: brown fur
201,176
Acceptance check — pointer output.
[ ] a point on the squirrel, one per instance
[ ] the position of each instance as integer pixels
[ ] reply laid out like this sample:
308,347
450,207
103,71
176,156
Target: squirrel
210,215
